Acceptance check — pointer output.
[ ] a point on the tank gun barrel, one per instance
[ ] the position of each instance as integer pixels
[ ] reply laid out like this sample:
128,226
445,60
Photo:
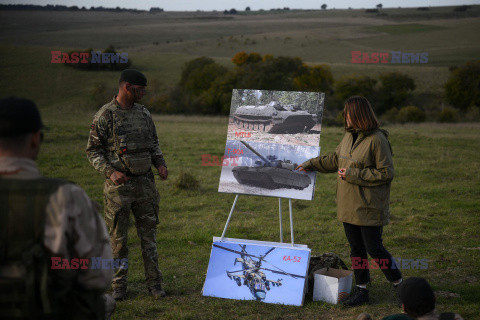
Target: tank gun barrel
254,151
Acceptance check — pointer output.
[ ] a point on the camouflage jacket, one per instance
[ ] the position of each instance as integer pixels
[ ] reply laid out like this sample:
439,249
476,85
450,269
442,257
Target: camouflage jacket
73,227
108,141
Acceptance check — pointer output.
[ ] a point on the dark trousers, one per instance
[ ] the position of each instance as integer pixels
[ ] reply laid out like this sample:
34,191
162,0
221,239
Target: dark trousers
365,240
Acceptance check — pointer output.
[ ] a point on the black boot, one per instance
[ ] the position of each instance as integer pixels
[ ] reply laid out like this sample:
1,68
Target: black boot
358,297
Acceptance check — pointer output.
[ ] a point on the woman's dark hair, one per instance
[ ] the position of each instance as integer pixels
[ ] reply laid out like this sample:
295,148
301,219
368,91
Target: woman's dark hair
361,114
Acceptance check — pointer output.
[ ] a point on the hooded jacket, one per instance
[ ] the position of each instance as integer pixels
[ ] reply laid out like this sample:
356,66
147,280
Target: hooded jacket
363,197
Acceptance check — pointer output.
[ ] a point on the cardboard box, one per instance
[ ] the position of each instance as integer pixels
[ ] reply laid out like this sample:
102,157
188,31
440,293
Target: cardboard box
332,285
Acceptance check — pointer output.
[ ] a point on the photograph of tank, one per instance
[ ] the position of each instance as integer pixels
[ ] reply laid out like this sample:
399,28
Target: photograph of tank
267,169
286,117
256,270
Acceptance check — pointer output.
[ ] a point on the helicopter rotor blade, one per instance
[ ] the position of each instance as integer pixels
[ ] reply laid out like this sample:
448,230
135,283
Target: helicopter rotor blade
283,272
235,251
263,257
236,271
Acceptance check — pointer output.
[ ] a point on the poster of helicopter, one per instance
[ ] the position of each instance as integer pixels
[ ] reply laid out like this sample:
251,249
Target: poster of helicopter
282,117
267,169
255,270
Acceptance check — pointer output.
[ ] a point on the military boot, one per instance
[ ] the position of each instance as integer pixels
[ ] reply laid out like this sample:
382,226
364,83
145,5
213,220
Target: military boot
157,291
357,298
119,293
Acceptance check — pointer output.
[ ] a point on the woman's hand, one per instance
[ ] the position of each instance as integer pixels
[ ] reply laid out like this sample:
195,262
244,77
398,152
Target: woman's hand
341,173
300,168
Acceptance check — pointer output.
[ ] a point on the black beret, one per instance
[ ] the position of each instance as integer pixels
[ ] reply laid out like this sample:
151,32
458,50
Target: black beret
134,77
18,117
417,296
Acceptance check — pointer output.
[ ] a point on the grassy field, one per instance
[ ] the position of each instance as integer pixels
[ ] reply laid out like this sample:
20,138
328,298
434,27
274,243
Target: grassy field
435,216
435,194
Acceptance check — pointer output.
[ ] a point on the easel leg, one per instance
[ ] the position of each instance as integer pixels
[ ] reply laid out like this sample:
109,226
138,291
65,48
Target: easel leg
229,217
280,215
291,219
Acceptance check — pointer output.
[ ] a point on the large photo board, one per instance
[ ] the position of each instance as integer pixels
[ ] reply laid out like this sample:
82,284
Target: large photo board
269,134
269,272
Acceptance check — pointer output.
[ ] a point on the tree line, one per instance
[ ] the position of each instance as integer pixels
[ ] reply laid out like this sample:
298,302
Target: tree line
50,7
205,87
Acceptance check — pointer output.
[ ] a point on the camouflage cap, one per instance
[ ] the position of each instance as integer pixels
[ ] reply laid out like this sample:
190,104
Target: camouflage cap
134,77
18,117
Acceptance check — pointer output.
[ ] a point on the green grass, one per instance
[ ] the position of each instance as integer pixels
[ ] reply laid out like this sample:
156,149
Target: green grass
435,216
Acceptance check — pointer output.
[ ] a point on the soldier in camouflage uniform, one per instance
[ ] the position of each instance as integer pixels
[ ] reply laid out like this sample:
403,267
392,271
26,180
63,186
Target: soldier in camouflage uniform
42,220
123,145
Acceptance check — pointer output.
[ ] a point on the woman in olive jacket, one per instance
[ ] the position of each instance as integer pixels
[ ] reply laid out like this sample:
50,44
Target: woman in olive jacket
364,164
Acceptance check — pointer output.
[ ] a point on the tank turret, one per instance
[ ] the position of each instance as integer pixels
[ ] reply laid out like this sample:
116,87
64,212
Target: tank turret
271,173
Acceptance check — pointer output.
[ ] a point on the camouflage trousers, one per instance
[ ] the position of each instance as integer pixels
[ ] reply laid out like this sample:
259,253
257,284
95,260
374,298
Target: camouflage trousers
139,196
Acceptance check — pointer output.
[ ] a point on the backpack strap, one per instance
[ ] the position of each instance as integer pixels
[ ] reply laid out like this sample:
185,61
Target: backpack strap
23,260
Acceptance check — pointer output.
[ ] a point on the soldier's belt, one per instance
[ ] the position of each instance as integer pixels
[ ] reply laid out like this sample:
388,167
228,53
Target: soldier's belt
129,174
125,150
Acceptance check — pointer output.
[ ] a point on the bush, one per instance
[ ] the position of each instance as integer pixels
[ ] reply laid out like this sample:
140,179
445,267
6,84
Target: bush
186,181
448,115
391,115
462,89
240,58
339,119
473,114
411,114
316,78
394,90
355,86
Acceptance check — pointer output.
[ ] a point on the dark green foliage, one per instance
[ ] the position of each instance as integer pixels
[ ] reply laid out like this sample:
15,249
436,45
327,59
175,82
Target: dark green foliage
355,86
448,115
316,78
395,88
205,87
194,92
271,74
462,89
411,114
192,66
391,115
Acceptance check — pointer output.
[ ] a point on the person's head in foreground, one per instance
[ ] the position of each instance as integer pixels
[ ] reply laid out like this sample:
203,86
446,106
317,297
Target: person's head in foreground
358,115
20,128
416,296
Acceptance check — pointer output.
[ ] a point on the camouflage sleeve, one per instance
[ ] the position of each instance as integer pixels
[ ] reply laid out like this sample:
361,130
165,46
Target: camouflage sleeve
97,146
156,153
74,230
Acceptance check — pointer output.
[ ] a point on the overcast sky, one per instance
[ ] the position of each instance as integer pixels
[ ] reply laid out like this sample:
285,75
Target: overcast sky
220,5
